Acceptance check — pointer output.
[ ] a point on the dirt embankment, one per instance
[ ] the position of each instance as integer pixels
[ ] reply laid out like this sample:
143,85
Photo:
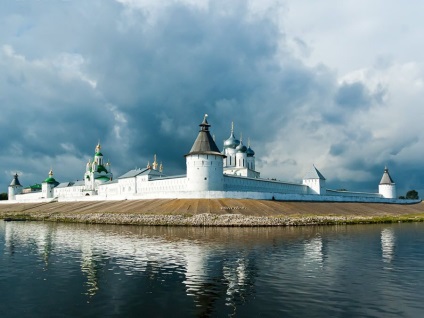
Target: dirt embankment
218,212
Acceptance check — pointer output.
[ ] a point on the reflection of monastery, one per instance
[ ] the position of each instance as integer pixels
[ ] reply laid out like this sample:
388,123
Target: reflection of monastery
210,174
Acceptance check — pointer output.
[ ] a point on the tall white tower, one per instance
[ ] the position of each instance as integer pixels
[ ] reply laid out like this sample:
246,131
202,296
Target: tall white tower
205,162
48,185
387,187
315,181
14,188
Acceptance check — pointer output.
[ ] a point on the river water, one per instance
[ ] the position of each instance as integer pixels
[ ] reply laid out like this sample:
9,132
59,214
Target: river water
79,270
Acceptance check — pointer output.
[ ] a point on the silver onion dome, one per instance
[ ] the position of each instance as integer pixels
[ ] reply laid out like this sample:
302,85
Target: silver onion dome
241,147
231,142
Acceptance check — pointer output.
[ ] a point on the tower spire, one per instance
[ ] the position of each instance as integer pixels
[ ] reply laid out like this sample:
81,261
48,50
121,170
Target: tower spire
155,164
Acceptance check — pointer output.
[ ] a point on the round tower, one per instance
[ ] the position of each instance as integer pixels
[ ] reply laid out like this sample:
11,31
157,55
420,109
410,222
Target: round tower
14,188
387,187
205,162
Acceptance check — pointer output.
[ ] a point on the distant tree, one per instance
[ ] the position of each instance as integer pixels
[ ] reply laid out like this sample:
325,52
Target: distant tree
412,195
3,196
402,197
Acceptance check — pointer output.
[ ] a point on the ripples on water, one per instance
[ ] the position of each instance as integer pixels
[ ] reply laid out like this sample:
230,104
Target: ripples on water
49,269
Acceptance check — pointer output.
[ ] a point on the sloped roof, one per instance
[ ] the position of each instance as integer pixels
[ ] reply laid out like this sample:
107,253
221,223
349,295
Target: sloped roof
15,181
132,173
79,183
65,184
386,179
314,174
204,143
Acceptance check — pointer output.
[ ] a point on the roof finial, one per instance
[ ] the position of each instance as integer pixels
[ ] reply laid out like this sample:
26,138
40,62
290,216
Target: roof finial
98,147
148,165
155,164
204,125
232,127
241,137
161,167
248,142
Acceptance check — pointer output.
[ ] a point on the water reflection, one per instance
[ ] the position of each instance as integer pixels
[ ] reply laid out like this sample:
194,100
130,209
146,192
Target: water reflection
314,251
309,271
387,244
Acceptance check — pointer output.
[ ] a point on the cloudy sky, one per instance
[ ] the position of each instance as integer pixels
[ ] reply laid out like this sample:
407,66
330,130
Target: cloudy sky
338,84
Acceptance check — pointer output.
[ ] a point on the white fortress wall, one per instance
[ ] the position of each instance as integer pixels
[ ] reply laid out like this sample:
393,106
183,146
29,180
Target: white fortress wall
232,183
127,186
32,197
352,194
237,195
108,189
71,191
163,184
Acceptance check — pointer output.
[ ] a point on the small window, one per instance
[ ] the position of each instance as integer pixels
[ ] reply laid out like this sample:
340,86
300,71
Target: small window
206,178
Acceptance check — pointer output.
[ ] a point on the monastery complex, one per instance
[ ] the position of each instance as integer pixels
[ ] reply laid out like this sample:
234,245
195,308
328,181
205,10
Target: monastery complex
210,174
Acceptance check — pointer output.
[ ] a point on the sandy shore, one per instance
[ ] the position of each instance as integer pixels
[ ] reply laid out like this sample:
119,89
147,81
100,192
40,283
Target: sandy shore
214,212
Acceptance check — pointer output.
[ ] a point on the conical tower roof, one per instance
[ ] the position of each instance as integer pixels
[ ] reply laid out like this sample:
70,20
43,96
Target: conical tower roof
15,181
204,143
386,179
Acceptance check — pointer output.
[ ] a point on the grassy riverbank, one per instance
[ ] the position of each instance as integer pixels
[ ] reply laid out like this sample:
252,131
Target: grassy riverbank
214,212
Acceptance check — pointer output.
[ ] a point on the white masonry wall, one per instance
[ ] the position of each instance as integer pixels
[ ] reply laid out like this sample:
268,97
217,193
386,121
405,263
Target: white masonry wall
71,191
232,183
352,194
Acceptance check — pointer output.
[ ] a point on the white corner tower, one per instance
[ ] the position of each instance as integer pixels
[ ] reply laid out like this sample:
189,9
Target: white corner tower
205,162
15,188
48,185
315,181
387,187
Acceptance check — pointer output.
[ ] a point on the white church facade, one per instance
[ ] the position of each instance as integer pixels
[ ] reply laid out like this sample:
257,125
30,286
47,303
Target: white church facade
210,174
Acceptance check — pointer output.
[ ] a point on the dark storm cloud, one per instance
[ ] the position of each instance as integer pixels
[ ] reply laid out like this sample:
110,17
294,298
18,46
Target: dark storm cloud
353,95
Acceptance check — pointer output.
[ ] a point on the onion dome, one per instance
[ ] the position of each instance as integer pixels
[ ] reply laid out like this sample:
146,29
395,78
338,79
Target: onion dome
249,151
231,142
241,148
50,179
